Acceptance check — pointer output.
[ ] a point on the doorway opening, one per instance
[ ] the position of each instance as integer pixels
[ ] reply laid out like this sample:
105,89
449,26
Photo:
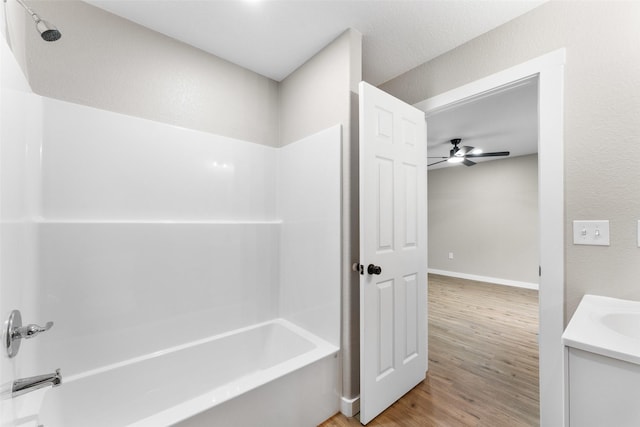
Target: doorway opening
549,72
483,204
483,234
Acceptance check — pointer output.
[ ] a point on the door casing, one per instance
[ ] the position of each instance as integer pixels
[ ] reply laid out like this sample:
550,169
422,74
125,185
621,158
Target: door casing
549,69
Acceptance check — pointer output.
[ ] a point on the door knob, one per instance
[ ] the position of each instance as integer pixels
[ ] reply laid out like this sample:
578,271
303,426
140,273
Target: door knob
374,269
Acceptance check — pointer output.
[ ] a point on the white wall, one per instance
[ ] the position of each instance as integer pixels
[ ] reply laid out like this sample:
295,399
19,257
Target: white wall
601,113
487,216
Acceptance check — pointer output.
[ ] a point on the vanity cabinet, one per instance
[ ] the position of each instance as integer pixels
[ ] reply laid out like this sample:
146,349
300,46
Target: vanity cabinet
601,391
602,363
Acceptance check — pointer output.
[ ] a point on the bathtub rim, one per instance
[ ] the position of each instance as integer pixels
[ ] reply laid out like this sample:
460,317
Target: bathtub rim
203,402
317,341
216,396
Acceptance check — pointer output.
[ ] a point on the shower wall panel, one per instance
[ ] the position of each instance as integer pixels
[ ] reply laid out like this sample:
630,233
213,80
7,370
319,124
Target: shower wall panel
309,206
103,165
121,290
151,236
20,136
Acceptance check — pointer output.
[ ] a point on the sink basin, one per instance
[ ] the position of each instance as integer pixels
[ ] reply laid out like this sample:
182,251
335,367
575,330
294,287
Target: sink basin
606,326
623,323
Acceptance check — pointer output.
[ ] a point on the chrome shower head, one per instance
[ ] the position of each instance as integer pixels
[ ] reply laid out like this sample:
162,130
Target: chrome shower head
47,30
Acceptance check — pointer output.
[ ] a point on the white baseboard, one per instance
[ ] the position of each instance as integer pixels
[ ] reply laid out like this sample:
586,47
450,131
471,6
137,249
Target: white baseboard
495,280
349,407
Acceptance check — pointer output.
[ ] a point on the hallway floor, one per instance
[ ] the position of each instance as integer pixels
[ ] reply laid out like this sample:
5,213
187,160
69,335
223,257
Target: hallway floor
483,360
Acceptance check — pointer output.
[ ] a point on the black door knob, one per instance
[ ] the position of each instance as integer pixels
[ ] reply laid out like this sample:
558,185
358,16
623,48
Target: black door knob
374,269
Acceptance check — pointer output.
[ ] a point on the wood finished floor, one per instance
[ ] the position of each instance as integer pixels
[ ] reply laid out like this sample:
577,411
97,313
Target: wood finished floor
483,360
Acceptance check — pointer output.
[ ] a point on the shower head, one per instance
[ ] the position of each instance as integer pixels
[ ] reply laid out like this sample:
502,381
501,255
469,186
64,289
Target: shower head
47,30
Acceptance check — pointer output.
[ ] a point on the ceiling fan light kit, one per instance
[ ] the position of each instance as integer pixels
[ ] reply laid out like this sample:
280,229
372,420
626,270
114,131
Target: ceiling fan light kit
461,154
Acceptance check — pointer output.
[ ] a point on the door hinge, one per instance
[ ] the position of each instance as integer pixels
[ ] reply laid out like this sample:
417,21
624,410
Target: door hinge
539,271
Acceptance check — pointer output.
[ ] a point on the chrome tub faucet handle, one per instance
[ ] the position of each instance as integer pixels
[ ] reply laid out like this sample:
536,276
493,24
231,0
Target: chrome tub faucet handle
14,332
30,331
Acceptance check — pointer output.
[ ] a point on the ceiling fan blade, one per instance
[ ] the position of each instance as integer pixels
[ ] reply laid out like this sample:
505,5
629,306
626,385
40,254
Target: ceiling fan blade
437,157
464,150
468,162
438,162
494,154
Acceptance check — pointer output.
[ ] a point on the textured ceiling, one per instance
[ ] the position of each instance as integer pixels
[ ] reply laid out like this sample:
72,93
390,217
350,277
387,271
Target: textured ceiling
506,120
275,37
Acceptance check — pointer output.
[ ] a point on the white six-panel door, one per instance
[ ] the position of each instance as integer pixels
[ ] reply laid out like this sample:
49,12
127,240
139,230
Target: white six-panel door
393,236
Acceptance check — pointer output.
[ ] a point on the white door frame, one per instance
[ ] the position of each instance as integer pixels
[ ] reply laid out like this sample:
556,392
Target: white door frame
550,71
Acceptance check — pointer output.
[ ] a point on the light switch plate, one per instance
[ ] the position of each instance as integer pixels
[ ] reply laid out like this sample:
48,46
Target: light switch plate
591,233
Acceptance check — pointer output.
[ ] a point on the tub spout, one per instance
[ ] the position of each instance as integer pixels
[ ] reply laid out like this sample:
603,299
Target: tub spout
26,385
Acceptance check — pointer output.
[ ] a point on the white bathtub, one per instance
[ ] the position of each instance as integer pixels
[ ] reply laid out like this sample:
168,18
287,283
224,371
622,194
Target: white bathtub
273,373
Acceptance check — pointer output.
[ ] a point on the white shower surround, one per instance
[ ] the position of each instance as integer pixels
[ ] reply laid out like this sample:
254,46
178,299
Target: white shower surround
20,136
103,166
152,236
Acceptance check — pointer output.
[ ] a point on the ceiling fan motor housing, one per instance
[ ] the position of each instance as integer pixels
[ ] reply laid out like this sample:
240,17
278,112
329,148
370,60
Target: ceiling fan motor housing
455,148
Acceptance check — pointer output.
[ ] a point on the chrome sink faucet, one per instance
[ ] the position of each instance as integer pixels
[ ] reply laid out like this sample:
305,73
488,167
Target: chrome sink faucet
26,385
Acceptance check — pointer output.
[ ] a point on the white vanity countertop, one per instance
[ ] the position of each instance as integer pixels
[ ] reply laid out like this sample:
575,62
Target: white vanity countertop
606,326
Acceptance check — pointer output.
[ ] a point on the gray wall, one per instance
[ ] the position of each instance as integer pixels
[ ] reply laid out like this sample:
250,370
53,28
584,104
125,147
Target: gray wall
602,130
319,94
107,62
487,215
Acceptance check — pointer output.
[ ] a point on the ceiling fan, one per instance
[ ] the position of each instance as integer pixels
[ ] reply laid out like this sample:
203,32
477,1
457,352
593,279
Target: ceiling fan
461,154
